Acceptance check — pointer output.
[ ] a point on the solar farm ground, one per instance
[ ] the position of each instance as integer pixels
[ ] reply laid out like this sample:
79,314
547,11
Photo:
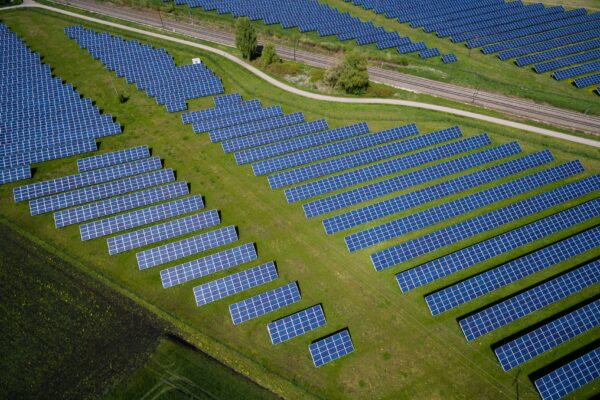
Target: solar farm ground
474,69
402,352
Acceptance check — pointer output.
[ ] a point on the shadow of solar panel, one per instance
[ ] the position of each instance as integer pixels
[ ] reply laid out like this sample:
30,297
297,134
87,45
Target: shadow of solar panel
397,183
161,232
299,143
99,192
262,138
531,300
119,204
549,336
487,249
388,167
468,203
570,377
113,158
331,348
434,192
264,303
479,285
236,119
236,283
388,149
296,324
141,217
207,265
15,174
250,128
234,108
71,182
186,247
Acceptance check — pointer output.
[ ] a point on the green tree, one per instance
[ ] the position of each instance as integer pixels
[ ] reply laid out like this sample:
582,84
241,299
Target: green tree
269,56
245,38
353,76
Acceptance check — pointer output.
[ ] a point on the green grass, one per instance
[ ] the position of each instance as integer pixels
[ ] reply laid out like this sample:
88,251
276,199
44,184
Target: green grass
474,69
402,352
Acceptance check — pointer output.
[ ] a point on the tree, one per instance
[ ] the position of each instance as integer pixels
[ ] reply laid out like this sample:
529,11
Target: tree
245,38
269,56
350,76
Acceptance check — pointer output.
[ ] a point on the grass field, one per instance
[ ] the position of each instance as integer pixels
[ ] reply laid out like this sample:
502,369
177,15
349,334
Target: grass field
474,69
401,351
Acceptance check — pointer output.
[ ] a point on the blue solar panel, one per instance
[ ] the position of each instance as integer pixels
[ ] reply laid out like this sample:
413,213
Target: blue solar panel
483,223
47,154
207,265
449,58
486,282
286,178
98,192
236,119
331,348
227,99
15,174
567,61
262,138
296,324
158,233
186,247
531,300
264,303
119,204
548,336
428,53
561,52
335,182
576,71
587,81
570,377
234,108
250,128
397,183
487,249
412,199
113,158
299,143
236,283
547,45
71,182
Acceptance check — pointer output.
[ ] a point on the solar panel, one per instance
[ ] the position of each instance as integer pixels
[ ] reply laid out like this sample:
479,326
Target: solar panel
235,108
15,174
397,183
286,178
141,217
235,119
540,296
371,172
498,277
119,204
570,377
587,81
262,138
98,192
548,336
483,223
158,233
487,249
412,199
250,128
71,182
331,348
296,324
227,99
207,265
113,158
449,58
264,303
47,154
236,283
186,247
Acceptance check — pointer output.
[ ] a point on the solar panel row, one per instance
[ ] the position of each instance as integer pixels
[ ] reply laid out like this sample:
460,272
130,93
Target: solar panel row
331,348
296,324
113,158
253,127
264,303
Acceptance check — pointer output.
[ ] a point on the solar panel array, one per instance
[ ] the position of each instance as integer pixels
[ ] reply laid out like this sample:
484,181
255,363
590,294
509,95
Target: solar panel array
209,113
264,303
236,283
152,70
570,377
548,336
531,33
331,348
487,249
296,324
310,15
113,158
449,58
511,309
43,119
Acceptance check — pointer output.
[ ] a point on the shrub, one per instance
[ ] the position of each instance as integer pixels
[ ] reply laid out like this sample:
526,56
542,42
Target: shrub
269,56
350,76
245,38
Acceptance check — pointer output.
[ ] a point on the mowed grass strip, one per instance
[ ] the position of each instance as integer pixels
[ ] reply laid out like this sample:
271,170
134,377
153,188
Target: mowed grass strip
401,351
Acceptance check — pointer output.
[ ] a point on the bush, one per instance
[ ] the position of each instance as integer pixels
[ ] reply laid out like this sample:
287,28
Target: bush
350,76
269,56
245,38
